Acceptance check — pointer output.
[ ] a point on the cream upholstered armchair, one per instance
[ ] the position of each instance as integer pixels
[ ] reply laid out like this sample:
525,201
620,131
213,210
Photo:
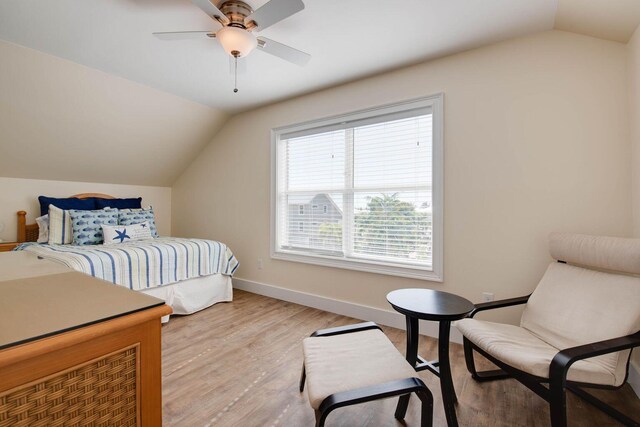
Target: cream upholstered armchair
577,329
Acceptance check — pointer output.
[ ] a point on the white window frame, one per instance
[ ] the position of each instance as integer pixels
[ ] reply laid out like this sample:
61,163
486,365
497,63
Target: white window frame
435,273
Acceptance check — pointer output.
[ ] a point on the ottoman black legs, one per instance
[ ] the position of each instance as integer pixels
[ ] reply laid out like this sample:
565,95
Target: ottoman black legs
382,391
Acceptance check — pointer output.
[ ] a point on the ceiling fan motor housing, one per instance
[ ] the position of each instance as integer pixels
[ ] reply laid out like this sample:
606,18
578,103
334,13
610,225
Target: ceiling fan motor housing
237,11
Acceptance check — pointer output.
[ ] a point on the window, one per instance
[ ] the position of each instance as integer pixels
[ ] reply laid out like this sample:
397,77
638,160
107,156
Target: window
377,175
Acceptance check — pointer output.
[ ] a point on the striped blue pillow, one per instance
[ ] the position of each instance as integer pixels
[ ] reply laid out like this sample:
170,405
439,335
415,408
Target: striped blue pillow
87,225
137,216
59,226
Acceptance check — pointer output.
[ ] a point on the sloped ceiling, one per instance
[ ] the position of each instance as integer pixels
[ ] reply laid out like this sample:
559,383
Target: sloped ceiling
347,40
63,121
614,20
87,94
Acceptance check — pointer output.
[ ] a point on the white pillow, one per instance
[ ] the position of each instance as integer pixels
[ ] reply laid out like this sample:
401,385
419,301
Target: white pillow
43,228
126,233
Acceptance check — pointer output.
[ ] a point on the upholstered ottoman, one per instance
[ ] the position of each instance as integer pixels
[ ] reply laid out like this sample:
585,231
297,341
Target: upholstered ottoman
355,364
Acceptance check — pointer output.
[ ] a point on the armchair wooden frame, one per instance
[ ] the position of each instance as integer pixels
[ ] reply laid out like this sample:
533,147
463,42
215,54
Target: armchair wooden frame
367,394
552,389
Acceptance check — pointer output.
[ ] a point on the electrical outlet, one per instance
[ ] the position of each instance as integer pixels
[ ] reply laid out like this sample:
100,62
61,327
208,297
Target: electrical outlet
260,264
487,297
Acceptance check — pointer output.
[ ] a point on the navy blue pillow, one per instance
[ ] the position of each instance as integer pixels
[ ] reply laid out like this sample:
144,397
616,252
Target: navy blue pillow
133,203
66,204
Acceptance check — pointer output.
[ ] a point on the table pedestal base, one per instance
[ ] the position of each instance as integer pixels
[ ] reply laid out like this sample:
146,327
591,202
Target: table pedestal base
440,368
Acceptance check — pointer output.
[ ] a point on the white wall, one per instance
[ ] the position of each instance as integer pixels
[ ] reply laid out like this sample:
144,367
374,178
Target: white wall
536,140
22,195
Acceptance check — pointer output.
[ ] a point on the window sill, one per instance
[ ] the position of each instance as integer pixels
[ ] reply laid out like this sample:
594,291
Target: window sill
409,271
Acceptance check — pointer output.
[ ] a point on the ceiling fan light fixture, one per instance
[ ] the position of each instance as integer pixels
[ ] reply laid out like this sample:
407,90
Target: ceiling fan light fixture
236,41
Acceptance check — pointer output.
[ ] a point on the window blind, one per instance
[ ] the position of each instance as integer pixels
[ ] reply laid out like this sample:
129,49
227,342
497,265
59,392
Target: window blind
359,190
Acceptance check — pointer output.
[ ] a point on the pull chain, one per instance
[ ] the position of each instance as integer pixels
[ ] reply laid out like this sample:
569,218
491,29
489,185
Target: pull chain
235,77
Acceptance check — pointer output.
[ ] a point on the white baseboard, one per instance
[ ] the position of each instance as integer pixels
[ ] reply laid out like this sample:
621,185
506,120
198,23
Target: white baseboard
357,311
634,378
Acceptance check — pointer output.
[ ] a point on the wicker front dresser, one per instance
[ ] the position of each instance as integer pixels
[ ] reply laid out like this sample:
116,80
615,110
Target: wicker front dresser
76,351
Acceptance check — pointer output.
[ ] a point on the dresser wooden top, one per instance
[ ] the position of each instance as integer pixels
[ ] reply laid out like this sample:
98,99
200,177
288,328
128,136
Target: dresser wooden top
36,307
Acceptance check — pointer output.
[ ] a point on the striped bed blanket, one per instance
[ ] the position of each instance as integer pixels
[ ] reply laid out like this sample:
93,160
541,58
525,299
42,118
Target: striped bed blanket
143,264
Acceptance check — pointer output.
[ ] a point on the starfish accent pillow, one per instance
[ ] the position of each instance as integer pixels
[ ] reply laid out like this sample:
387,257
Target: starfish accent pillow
126,233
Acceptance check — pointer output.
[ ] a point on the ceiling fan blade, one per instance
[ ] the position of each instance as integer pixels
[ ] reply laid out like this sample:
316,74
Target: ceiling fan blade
185,35
274,11
283,51
212,10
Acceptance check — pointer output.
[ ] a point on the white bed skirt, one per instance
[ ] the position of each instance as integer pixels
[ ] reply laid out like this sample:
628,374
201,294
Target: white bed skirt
189,296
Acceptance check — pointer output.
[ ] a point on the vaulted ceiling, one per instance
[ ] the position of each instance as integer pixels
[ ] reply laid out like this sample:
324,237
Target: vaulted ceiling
614,20
63,121
88,94
347,40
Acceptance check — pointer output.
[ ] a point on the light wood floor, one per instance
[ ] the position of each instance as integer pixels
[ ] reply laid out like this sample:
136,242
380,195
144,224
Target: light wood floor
238,364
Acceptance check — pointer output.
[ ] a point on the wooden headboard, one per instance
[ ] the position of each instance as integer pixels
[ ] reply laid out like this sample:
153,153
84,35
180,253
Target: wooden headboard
29,232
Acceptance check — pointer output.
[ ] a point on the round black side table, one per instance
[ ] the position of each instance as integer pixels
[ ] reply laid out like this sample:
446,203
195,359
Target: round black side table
441,307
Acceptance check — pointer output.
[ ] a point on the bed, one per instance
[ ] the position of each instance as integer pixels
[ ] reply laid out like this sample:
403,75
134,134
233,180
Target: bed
188,274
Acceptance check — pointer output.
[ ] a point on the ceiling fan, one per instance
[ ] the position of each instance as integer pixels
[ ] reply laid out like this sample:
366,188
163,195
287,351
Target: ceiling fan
235,23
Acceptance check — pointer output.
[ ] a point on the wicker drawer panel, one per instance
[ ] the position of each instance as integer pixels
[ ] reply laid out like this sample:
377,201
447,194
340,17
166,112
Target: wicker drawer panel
97,393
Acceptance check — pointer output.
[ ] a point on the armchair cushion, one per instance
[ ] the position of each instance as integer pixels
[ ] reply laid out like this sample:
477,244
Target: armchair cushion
519,348
573,306
598,252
